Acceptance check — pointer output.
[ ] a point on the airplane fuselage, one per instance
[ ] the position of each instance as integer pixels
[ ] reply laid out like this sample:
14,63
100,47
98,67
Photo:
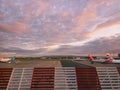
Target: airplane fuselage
5,59
115,61
106,61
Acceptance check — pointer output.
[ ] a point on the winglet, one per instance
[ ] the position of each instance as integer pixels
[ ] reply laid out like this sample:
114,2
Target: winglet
109,55
110,58
12,59
90,57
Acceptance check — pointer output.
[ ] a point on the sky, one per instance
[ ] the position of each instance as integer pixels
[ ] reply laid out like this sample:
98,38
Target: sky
59,27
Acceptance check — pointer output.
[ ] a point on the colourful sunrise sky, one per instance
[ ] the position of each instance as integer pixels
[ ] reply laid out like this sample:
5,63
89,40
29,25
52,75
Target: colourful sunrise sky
59,27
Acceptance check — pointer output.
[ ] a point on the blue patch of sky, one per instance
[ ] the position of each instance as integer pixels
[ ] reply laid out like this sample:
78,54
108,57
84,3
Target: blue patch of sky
70,6
108,10
11,14
79,5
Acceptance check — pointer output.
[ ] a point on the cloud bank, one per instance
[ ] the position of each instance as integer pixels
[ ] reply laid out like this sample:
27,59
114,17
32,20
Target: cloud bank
48,27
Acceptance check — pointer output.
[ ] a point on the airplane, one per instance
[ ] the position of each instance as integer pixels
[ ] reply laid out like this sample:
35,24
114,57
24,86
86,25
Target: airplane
8,60
107,61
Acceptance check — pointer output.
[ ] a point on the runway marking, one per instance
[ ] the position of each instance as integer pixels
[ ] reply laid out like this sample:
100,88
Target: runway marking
65,78
60,78
109,78
20,79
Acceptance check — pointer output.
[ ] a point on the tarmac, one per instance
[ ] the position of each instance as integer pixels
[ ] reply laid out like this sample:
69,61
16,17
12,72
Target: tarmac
53,63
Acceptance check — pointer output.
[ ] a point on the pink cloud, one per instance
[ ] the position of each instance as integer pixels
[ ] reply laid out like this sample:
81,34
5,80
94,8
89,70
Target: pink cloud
110,23
43,6
17,27
90,16
36,9
2,15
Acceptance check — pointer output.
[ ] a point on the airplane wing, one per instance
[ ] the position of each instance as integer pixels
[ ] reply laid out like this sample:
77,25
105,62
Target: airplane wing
115,61
99,60
92,59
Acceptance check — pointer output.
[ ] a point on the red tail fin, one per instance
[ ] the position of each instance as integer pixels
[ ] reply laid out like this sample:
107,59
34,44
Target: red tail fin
109,56
90,57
